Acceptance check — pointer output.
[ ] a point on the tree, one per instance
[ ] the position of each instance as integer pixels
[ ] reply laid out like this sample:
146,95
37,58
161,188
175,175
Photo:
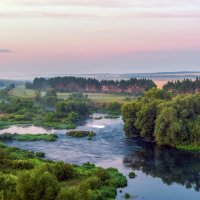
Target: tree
50,97
129,113
146,117
38,96
168,121
168,128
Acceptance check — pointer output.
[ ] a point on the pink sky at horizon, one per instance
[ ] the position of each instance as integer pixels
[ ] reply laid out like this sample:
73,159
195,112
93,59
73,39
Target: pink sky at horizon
95,36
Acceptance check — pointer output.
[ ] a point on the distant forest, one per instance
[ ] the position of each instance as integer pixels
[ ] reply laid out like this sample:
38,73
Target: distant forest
80,84
185,86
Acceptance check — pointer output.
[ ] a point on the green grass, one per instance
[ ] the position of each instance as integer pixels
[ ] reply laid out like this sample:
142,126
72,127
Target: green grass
189,148
99,98
56,125
21,92
29,137
14,119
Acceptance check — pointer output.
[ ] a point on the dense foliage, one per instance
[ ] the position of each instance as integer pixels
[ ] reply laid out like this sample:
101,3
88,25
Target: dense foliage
168,120
45,111
24,176
79,84
185,86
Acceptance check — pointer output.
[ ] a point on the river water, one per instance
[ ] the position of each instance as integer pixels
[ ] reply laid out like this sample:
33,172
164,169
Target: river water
162,173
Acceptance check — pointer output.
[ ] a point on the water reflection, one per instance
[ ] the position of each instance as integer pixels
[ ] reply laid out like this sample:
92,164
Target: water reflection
170,165
158,169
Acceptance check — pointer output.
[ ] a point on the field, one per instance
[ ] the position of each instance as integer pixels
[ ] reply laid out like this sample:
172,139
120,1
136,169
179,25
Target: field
21,92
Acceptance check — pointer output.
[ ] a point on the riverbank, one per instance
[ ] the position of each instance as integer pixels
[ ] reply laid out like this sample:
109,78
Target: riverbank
67,180
161,173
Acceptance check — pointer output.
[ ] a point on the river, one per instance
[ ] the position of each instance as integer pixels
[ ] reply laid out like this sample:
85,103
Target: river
162,173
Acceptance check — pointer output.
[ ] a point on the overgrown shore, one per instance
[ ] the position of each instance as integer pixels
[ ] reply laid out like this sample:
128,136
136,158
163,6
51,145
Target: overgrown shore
164,118
26,175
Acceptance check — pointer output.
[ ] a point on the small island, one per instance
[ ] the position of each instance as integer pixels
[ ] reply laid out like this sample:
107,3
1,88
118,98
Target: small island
77,133
29,137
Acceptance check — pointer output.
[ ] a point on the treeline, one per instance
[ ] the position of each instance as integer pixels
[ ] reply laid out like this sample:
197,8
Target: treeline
79,84
185,86
169,121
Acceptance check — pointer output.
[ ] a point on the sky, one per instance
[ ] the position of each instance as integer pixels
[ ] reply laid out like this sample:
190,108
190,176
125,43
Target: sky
99,36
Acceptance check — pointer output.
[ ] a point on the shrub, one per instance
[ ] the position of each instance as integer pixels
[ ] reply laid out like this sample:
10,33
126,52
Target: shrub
22,164
69,194
36,185
85,192
7,186
117,179
108,192
40,154
132,175
64,171
102,174
94,182
127,196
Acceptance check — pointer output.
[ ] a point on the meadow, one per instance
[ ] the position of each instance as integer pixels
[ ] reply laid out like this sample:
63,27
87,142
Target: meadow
99,98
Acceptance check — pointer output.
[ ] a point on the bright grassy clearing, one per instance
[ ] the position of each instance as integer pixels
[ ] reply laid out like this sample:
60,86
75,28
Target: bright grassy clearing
22,92
100,97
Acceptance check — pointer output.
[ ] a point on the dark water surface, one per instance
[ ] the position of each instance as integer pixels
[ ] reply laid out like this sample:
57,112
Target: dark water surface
162,174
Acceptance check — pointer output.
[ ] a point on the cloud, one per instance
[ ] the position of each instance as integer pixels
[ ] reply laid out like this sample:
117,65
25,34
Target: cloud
5,51
46,15
100,9
116,15
112,3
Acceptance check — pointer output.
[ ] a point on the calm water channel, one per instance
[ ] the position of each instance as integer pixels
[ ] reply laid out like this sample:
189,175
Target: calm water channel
162,174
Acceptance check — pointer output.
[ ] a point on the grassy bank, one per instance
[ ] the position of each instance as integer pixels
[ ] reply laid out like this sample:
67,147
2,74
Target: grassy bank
17,119
189,148
29,137
24,175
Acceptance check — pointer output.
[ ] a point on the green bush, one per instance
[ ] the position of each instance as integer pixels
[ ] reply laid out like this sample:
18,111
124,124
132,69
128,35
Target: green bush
71,193
7,186
64,171
40,154
36,185
127,196
22,164
132,175
108,192
94,182
102,174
